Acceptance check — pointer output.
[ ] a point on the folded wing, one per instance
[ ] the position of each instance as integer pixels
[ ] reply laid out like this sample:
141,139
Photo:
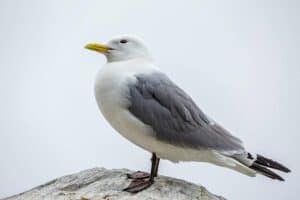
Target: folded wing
175,118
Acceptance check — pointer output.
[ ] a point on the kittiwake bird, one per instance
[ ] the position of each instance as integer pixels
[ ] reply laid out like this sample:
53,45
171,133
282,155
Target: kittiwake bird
147,108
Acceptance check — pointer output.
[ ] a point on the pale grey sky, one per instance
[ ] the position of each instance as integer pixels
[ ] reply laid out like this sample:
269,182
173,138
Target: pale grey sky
239,60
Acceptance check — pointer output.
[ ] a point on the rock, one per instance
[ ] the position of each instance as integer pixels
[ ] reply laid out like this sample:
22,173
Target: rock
100,183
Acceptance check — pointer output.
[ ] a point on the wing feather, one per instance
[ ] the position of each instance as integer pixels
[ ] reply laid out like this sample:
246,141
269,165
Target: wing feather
174,116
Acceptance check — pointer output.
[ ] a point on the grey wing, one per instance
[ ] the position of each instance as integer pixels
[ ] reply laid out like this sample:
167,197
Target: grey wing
175,118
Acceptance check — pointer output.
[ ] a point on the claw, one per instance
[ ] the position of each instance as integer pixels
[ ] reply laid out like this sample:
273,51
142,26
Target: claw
138,185
138,175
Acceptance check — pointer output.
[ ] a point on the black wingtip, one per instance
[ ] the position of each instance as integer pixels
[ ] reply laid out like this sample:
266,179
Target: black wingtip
261,160
266,172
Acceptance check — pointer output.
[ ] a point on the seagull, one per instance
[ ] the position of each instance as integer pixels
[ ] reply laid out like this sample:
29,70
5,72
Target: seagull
146,107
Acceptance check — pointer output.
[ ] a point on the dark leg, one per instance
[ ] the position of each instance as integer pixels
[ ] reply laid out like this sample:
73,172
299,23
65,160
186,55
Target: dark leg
138,183
143,175
156,166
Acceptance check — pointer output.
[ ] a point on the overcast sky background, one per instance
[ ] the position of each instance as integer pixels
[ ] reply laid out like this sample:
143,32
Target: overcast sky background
239,60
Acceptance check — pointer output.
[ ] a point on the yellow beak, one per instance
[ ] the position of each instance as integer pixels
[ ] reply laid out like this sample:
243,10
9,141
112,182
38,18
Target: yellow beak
97,47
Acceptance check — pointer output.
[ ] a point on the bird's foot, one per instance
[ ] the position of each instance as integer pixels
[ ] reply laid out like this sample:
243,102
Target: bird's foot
138,185
138,175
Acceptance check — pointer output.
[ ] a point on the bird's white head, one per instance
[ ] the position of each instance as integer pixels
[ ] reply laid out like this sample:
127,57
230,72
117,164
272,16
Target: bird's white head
121,48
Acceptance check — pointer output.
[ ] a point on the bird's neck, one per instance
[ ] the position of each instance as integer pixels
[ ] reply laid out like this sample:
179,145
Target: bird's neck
121,58
132,66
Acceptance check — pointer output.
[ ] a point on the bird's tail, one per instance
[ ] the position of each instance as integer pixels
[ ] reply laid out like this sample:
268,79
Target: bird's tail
261,164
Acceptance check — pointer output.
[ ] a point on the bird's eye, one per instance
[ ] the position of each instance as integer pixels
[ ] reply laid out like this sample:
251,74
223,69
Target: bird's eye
123,41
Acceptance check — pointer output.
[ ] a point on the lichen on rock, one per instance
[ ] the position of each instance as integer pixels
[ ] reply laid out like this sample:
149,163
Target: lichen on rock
104,184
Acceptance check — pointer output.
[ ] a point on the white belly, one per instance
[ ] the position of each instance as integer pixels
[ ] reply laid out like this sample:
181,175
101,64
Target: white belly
111,90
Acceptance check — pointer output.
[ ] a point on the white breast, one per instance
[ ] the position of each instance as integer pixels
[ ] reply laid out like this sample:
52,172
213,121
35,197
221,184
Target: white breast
112,90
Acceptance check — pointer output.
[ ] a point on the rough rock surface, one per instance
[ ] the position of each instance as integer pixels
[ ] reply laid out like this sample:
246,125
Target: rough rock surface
100,183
